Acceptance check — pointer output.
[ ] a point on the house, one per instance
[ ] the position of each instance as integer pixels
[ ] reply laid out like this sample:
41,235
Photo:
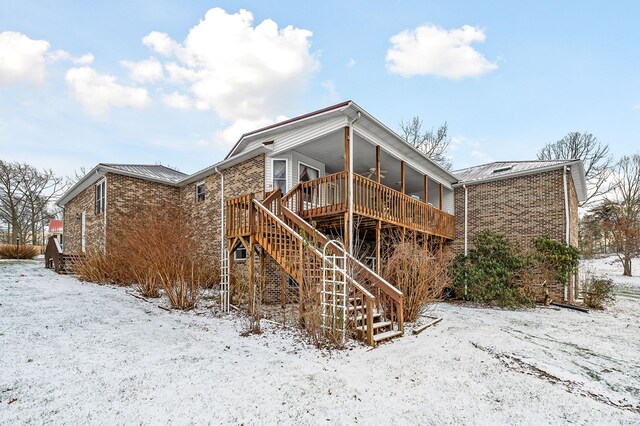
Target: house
55,229
281,197
522,200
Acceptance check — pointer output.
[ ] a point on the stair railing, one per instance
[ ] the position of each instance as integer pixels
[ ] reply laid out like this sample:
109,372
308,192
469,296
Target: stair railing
292,251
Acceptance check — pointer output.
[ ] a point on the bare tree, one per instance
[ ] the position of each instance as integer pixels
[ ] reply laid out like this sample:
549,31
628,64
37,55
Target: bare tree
432,143
12,205
25,199
77,175
623,210
594,155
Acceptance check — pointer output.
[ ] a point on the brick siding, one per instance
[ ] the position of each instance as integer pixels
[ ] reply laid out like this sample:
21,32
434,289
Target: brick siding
522,208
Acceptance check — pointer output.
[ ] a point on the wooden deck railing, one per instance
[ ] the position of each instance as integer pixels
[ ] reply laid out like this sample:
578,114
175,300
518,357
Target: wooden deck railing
328,195
239,216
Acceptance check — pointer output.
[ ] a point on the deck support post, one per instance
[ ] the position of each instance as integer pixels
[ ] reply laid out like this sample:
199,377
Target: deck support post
283,288
378,229
347,166
252,281
402,175
263,279
441,196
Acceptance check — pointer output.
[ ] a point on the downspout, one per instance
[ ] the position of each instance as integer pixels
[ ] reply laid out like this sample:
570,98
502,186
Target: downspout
351,141
466,251
566,220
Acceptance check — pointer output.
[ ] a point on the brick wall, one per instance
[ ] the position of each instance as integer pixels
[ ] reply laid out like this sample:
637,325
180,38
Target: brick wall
522,208
94,223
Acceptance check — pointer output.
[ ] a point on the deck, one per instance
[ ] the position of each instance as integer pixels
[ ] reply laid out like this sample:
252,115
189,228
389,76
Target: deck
327,196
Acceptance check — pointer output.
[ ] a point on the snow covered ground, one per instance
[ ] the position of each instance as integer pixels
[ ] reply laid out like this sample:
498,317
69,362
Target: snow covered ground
79,353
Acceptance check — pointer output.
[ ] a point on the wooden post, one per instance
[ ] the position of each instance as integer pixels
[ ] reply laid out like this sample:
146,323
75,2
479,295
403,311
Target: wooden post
263,278
378,168
347,162
402,174
252,281
378,226
441,193
283,288
426,189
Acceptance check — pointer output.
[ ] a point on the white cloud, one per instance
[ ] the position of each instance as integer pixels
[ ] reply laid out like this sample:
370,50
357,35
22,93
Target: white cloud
636,106
21,58
331,93
245,74
63,55
431,50
161,43
147,71
99,92
178,101
351,63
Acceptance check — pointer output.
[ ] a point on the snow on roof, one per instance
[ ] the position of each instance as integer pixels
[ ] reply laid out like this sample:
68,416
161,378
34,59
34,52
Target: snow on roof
154,171
504,168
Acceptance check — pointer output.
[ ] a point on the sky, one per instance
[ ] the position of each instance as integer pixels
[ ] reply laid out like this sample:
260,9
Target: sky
177,82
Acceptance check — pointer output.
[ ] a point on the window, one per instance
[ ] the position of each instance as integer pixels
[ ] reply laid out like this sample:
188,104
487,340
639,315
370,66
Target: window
200,191
280,175
306,173
240,253
100,196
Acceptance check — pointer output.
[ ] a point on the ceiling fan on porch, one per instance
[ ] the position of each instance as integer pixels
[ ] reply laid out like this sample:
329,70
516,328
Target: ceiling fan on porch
372,172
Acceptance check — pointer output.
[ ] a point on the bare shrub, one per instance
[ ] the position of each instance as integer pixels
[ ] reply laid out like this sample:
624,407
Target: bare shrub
102,268
420,273
155,248
598,292
9,251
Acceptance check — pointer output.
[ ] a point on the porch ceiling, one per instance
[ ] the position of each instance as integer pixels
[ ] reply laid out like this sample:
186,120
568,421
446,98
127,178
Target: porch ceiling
329,150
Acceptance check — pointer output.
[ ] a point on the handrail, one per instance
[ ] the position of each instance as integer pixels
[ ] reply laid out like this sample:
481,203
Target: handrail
314,250
395,293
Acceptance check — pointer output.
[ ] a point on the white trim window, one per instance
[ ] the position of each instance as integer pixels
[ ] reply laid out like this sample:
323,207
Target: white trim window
279,171
307,172
101,196
200,192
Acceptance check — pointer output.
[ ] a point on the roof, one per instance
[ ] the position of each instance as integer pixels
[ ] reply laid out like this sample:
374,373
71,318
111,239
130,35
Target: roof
285,122
503,168
154,171
508,169
55,225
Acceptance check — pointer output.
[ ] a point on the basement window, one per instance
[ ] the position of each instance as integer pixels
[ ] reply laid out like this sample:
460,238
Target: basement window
200,188
240,253
101,196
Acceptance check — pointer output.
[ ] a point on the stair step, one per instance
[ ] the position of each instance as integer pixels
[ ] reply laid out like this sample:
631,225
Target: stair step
376,325
386,335
376,314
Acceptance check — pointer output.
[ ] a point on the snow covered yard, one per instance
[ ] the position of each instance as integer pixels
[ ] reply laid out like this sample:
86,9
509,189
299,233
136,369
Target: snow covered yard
76,353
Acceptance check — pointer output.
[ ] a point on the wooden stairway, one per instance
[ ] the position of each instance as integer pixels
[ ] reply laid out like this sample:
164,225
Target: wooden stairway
373,307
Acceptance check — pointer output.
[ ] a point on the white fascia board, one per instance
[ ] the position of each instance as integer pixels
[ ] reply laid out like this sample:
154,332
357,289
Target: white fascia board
86,181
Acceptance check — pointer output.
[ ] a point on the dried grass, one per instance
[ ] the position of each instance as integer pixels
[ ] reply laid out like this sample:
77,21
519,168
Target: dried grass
23,251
